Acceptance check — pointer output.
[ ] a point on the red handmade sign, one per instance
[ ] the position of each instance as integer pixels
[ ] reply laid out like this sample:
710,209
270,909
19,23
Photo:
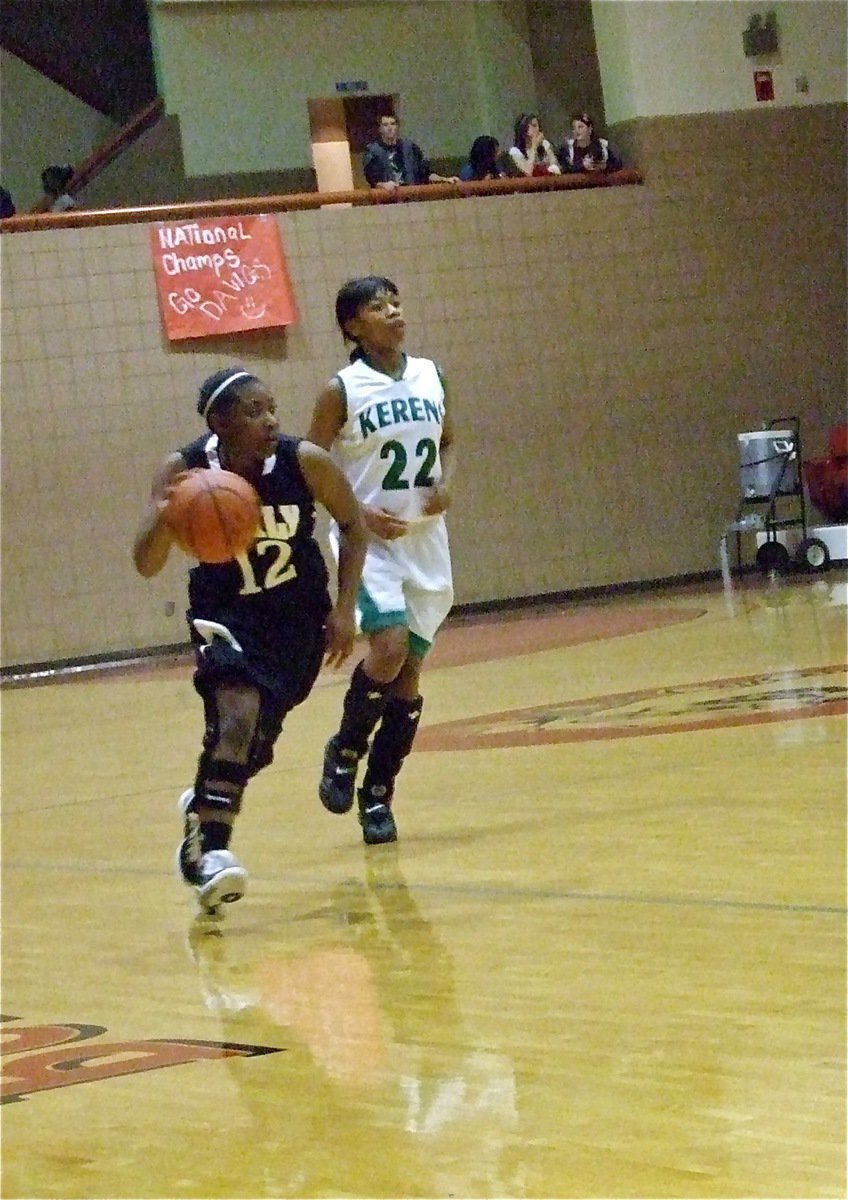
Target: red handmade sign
220,275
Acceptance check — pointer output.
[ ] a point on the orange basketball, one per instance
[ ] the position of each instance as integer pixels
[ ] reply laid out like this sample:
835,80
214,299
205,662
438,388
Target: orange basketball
214,515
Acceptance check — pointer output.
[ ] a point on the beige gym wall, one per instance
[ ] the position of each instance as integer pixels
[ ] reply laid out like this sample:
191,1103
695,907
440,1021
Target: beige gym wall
603,349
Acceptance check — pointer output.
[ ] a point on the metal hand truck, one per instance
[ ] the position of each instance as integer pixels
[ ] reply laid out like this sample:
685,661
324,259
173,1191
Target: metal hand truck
772,499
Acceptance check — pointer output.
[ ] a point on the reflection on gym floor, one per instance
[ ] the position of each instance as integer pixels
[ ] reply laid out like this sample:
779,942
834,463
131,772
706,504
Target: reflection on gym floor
367,1013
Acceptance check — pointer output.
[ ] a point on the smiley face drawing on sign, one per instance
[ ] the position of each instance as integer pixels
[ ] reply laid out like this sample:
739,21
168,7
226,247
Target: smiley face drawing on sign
252,311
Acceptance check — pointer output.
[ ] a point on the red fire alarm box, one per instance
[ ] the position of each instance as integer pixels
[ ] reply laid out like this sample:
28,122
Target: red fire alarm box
763,85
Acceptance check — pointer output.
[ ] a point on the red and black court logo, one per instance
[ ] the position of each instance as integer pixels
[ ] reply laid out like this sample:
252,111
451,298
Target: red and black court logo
789,695
38,1058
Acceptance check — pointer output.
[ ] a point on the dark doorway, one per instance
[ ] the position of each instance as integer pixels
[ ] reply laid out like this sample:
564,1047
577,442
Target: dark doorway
362,114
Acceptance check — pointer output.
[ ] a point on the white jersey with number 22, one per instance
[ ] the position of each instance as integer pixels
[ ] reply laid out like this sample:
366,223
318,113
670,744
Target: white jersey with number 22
388,446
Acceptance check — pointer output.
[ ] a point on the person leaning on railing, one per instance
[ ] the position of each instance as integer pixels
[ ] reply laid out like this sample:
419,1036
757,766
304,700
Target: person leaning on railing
55,182
531,152
484,160
7,204
584,150
393,161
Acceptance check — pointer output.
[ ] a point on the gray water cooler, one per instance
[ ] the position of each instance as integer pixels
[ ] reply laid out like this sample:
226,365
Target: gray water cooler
772,499
768,463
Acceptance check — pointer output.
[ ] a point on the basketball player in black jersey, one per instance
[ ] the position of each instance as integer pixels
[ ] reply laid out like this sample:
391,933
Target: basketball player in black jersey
262,623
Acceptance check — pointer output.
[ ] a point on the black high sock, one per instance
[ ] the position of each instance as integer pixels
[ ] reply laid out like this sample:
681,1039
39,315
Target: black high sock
363,706
392,742
215,835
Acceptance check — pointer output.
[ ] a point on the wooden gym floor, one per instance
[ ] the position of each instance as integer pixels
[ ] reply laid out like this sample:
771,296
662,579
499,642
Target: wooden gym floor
605,959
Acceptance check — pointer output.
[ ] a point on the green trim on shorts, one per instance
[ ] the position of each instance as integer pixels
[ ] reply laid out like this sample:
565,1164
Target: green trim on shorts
372,620
418,645
371,617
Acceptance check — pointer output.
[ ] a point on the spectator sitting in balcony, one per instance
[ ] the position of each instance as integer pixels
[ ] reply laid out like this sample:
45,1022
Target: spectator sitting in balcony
393,161
483,160
584,150
532,153
7,204
55,182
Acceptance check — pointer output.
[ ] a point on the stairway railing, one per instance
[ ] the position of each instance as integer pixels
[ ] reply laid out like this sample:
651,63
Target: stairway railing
111,149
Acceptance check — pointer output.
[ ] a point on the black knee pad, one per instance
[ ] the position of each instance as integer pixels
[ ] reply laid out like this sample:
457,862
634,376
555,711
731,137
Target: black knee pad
220,781
268,729
217,771
259,752
261,756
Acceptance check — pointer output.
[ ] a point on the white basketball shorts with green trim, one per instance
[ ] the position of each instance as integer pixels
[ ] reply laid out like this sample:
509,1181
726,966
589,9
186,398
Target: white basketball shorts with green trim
406,581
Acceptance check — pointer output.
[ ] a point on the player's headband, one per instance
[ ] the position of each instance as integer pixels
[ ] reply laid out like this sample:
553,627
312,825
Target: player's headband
206,402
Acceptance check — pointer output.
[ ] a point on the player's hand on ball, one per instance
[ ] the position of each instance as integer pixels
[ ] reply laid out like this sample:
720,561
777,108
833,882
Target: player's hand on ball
160,502
170,486
214,515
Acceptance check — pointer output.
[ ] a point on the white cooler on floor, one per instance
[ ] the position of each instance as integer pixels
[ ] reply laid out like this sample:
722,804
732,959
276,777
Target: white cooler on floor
835,537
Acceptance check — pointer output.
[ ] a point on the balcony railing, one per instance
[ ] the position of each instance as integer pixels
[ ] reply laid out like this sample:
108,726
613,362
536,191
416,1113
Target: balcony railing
81,217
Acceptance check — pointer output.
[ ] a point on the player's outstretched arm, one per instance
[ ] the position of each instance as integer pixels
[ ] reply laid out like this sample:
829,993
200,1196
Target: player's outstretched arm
153,539
330,488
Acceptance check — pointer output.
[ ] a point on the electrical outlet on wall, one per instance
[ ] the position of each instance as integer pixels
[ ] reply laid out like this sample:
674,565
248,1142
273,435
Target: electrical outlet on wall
802,84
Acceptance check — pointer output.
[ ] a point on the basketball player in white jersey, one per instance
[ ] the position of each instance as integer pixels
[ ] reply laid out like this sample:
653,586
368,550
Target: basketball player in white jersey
385,420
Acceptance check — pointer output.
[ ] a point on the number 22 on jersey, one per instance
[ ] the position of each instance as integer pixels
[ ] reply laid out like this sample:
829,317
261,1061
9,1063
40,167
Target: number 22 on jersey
394,479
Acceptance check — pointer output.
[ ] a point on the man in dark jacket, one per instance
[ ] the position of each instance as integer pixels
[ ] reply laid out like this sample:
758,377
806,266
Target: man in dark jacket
393,161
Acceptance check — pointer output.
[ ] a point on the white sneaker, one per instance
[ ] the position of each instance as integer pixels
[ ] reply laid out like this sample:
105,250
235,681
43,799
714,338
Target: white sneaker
216,876
223,880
